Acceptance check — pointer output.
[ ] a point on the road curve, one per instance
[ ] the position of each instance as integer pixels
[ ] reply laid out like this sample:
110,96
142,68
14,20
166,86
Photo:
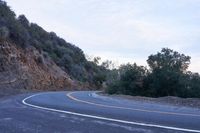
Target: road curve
86,111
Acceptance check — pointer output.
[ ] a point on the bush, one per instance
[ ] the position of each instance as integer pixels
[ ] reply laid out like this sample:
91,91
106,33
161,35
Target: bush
130,80
4,32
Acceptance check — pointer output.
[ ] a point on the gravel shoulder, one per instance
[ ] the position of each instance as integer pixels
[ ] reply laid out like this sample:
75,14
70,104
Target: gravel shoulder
168,100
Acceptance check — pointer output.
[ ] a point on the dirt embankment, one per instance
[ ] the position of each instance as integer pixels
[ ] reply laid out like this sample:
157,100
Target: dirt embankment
22,70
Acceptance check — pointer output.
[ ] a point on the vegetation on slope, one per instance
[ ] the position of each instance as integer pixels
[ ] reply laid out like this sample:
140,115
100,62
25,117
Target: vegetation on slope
69,57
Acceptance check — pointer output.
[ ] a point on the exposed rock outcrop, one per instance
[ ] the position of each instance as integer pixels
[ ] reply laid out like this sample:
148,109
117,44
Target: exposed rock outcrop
30,69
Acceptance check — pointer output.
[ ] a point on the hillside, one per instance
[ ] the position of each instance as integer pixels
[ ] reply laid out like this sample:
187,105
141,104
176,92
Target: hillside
25,70
33,58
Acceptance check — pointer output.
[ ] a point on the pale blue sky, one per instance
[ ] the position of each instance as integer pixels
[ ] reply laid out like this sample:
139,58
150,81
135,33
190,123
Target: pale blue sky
120,30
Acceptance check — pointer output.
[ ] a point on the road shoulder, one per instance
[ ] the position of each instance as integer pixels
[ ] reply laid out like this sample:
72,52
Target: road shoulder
169,100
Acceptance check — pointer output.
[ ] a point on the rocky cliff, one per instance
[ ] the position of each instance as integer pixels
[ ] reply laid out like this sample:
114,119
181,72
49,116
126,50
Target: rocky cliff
28,69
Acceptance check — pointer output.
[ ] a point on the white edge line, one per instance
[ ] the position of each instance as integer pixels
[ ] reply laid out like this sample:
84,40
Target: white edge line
104,118
133,109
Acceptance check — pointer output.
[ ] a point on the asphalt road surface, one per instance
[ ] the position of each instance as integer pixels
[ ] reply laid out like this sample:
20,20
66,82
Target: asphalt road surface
88,112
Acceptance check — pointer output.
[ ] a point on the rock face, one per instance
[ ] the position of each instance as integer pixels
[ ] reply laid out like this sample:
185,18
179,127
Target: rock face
29,69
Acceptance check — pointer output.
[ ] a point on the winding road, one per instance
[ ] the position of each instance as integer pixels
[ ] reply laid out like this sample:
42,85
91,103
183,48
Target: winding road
88,112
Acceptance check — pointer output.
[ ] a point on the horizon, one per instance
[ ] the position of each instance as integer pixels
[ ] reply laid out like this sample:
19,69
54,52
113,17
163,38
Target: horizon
123,32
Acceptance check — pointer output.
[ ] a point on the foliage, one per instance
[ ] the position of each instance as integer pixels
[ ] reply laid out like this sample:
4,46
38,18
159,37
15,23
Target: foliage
66,55
4,32
129,81
167,67
168,76
168,59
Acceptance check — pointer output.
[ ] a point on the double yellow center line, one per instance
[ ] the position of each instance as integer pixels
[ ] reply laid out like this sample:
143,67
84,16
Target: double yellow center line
133,109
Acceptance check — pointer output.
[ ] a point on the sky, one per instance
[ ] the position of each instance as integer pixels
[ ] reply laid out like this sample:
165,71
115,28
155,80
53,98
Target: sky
120,30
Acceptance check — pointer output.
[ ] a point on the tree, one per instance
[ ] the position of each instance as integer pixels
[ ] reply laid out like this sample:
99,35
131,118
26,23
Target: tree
24,21
96,60
169,59
130,80
190,85
167,67
108,64
99,79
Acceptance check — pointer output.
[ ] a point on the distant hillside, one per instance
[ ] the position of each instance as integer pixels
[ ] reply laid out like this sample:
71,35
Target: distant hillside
26,35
